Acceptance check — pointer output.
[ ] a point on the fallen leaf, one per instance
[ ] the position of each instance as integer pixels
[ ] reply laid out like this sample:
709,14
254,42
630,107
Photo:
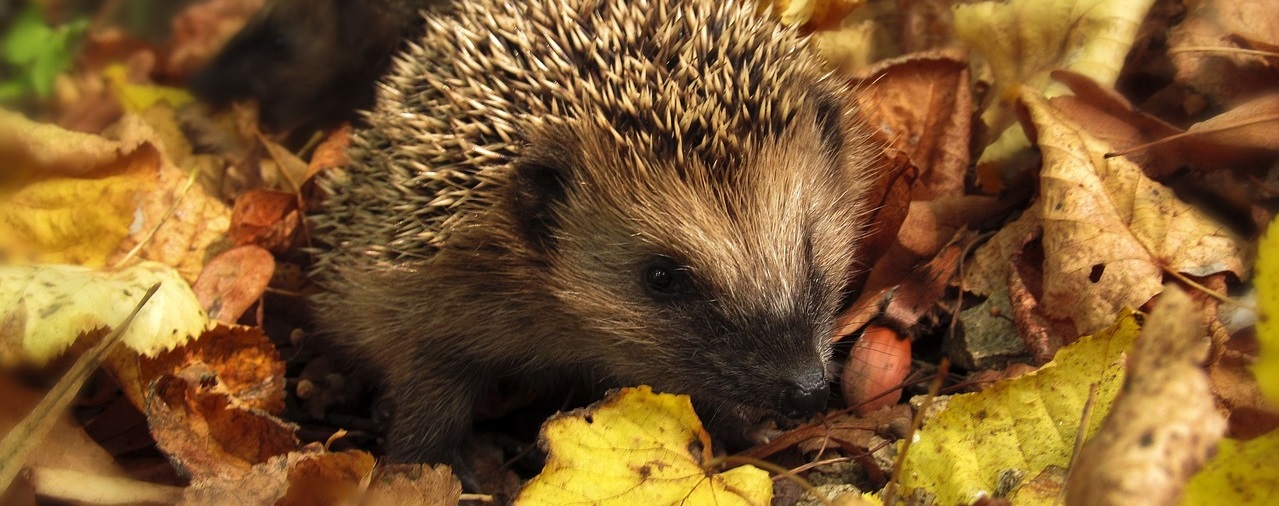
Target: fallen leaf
331,153
45,308
137,98
812,14
1200,48
247,366
1025,40
911,257
1253,124
297,478
1026,424
68,197
1242,472
413,484
1163,425
233,281
207,433
922,104
1108,231
178,224
1267,283
267,218
637,447
1112,119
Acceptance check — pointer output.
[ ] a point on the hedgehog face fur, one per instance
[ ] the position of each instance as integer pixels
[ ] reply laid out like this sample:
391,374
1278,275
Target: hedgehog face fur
653,191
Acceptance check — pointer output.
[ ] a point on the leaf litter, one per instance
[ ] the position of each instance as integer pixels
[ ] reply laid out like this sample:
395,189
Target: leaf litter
1115,178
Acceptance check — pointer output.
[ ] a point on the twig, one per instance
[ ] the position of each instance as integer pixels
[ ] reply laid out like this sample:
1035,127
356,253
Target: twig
890,490
18,444
1207,291
1080,435
186,187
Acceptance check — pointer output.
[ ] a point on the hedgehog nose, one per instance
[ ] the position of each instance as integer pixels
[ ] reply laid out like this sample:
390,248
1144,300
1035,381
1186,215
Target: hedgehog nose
805,396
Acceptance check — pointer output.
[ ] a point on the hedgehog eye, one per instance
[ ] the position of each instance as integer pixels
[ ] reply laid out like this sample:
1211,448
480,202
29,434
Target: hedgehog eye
665,280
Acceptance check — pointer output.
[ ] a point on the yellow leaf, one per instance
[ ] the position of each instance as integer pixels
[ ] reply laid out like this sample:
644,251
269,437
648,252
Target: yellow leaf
73,198
1025,40
44,309
637,447
1025,424
1241,474
137,98
67,197
1267,282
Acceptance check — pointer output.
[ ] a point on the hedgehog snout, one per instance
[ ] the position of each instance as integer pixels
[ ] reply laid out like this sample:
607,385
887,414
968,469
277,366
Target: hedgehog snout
804,394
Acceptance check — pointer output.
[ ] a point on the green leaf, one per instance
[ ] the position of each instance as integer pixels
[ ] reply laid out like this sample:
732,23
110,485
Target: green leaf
37,53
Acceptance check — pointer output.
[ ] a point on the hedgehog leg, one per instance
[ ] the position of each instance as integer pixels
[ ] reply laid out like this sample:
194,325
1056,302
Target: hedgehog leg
433,412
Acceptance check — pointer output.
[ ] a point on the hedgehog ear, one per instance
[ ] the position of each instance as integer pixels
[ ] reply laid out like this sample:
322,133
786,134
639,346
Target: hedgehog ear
538,185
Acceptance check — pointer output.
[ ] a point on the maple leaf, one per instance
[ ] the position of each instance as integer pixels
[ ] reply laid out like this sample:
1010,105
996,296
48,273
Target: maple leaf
637,447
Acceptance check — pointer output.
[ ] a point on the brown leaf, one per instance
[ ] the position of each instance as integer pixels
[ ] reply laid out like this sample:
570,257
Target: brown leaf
922,104
1253,124
889,198
1163,425
331,152
1108,231
413,484
306,477
925,230
1224,76
267,218
1235,387
233,281
246,364
207,433
1112,119
327,478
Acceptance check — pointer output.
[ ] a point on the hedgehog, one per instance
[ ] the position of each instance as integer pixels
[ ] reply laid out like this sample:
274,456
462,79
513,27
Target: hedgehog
659,192
307,63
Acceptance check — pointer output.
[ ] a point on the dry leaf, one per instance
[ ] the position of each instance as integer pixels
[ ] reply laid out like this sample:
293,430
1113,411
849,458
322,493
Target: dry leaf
812,14
45,308
247,365
68,197
267,218
1112,119
180,238
233,281
1163,425
1223,75
922,104
925,230
301,478
413,484
1025,425
1025,40
207,433
1108,231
